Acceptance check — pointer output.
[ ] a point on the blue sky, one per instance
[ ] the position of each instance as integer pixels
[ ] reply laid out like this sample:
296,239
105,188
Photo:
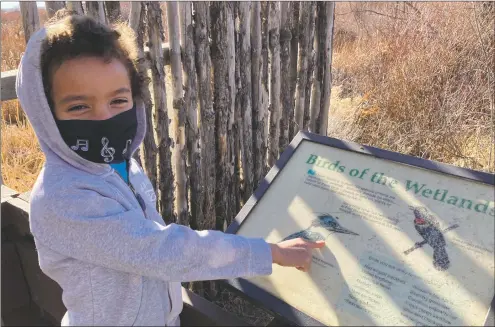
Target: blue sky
15,4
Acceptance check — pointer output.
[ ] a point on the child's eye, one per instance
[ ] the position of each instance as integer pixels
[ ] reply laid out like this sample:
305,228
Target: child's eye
120,101
78,107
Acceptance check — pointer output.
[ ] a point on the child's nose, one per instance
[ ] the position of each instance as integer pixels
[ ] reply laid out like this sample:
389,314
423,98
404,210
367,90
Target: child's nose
103,113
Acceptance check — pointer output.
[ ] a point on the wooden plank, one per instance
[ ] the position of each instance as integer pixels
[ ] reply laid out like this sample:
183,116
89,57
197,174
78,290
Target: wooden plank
191,107
179,117
246,111
165,176
256,72
322,124
75,6
223,59
265,87
294,47
30,18
287,110
207,114
112,9
311,65
96,10
137,21
306,13
53,6
275,110
320,36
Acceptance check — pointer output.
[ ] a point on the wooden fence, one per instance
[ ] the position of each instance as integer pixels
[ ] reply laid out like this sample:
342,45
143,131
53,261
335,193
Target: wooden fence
246,77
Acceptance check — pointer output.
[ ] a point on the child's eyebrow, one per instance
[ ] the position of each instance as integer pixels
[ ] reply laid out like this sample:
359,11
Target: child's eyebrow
71,98
121,90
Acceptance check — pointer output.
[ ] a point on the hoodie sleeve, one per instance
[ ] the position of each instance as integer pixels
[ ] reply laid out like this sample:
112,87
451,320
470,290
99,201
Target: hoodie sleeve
87,226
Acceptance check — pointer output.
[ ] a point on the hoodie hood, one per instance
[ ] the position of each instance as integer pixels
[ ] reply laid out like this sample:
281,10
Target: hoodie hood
31,94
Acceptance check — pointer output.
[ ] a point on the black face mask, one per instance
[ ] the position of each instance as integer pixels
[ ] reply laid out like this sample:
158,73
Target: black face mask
101,141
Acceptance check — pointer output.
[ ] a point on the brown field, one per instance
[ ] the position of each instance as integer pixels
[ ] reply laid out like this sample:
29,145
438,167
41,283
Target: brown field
413,78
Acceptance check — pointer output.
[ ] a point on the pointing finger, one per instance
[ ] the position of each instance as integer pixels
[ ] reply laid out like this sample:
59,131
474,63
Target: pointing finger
317,244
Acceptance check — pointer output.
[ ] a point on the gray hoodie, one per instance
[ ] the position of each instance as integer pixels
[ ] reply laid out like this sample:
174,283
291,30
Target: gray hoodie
118,264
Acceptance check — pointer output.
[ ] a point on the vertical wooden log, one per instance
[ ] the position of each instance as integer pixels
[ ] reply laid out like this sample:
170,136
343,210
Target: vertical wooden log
135,15
246,110
179,117
286,98
275,110
75,6
30,18
329,17
113,11
207,114
137,21
223,59
305,12
265,85
165,177
196,197
294,45
207,183
256,70
319,66
311,65
53,6
96,10
235,146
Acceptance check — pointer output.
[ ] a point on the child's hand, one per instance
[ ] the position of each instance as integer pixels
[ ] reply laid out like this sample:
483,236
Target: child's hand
295,253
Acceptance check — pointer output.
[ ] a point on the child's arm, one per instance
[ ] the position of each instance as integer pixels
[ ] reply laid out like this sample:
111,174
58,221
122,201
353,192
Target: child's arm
90,227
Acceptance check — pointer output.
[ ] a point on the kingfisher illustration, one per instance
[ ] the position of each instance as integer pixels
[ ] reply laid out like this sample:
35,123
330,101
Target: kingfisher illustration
428,227
326,221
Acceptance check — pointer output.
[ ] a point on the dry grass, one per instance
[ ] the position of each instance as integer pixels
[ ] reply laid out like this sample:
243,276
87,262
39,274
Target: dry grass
22,158
423,78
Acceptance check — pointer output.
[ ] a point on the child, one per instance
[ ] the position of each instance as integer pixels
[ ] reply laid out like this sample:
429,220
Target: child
93,215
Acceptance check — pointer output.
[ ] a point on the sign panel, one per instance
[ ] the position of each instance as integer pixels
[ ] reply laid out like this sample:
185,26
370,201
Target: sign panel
405,245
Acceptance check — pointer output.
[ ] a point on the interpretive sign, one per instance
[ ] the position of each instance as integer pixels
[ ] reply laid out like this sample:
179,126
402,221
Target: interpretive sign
408,241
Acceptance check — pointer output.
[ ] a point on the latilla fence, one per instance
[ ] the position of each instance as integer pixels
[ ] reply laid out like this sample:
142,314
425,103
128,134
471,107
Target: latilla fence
245,78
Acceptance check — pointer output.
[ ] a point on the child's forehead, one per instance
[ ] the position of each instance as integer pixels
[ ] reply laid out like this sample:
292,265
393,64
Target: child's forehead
90,74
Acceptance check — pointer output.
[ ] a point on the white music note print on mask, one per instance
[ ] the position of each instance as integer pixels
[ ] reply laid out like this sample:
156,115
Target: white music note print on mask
83,144
127,143
106,152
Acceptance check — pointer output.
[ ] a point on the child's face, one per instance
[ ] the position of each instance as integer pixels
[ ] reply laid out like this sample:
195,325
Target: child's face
91,89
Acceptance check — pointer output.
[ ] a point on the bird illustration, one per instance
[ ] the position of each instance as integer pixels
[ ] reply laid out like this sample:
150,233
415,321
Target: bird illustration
326,221
428,227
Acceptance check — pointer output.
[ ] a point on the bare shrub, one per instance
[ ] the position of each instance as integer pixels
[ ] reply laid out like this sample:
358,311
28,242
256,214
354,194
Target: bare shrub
426,73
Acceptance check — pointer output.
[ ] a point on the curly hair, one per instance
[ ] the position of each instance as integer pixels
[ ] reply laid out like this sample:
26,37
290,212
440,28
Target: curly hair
69,36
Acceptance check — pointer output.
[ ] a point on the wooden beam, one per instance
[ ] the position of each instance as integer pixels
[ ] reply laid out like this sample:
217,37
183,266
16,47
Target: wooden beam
8,85
164,142
75,6
9,77
178,115
30,18
53,6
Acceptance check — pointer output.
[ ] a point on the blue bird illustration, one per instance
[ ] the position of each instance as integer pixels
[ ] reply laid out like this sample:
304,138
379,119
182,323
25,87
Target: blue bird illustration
326,221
